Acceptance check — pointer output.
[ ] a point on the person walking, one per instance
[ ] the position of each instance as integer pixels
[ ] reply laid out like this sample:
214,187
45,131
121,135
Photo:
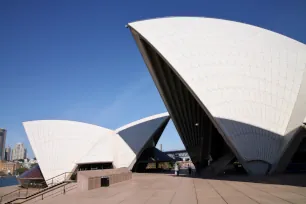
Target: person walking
189,169
177,169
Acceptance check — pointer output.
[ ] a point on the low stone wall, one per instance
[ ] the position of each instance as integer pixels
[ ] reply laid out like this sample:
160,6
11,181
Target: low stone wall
115,178
88,180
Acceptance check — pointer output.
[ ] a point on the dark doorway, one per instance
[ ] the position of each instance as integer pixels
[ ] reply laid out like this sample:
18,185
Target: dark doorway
95,166
298,161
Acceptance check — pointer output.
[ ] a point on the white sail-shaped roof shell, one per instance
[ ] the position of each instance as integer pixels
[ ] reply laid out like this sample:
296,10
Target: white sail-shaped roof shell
242,74
138,134
60,145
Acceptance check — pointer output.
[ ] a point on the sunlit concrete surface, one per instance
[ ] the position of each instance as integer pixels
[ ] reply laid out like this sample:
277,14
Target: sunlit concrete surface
165,189
7,189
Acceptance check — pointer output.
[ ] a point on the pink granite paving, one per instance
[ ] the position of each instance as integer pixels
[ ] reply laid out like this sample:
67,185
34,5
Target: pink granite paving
166,189
8,189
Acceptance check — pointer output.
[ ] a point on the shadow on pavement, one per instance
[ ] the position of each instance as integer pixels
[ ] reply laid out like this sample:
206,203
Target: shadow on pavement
280,179
296,179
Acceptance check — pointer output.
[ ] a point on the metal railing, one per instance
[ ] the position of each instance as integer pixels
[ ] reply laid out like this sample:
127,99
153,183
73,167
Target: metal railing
61,190
39,187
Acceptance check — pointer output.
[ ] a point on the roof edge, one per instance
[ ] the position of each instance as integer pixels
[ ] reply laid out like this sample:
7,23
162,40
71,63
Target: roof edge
67,121
152,117
131,24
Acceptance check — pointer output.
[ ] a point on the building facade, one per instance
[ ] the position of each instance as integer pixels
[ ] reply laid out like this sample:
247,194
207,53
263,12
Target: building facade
9,167
8,154
233,90
19,152
2,143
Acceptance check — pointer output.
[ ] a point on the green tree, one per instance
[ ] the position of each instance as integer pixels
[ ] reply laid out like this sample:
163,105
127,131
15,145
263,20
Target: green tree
21,170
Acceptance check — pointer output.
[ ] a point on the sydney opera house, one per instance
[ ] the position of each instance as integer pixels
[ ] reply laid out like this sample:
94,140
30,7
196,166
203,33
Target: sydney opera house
232,90
62,146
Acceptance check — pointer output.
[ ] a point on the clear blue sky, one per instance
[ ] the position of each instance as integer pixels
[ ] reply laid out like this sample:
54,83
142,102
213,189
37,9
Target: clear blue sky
75,60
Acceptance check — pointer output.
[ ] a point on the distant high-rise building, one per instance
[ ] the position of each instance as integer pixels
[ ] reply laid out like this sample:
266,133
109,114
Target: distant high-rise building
8,154
19,152
2,143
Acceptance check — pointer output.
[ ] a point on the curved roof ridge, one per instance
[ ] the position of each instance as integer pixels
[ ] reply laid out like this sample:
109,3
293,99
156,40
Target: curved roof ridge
132,24
152,117
73,121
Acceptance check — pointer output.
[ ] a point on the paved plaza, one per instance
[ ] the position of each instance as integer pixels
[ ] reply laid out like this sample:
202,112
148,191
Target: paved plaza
7,189
165,189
